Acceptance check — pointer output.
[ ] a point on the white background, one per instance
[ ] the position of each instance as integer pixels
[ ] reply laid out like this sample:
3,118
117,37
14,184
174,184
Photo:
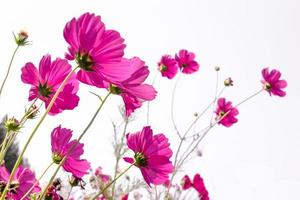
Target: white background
258,158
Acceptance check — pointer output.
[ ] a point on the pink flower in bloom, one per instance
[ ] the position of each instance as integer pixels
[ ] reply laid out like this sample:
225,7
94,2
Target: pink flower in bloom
197,184
46,80
168,66
272,84
61,144
224,107
23,180
96,50
152,155
132,89
186,61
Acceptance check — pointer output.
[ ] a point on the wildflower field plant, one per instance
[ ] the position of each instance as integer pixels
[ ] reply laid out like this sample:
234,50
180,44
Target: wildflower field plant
95,57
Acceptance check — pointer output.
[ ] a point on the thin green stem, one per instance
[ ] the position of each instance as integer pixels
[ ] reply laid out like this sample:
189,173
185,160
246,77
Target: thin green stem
19,160
172,107
69,194
73,147
207,129
37,181
148,103
108,185
118,156
8,70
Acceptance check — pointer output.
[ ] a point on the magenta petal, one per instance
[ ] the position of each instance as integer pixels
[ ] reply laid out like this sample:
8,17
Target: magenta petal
77,167
129,160
30,74
186,182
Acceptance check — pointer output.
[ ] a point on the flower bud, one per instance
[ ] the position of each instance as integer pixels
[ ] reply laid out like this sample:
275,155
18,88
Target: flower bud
217,68
21,38
228,82
32,112
75,181
12,124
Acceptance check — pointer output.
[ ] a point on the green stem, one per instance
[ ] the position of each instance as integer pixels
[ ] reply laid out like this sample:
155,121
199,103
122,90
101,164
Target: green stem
184,157
10,137
108,185
148,103
118,156
19,160
8,70
69,194
172,108
73,147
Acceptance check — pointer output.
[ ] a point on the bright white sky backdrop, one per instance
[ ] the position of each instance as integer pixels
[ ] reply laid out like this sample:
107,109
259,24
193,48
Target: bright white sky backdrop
258,158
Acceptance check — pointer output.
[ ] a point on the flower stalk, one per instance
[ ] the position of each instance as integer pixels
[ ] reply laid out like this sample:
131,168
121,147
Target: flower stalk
19,160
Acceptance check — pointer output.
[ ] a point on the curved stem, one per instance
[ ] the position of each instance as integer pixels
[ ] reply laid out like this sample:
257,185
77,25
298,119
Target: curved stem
108,185
172,107
73,147
69,194
9,138
118,156
207,129
217,121
8,70
37,181
19,160
148,103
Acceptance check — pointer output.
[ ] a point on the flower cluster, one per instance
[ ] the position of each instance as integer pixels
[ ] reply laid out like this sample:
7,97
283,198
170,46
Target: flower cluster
98,54
184,60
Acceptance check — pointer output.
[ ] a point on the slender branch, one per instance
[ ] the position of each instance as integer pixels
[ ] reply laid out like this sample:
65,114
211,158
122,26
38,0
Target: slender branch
69,194
148,103
8,70
73,147
108,185
118,156
37,181
19,160
172,107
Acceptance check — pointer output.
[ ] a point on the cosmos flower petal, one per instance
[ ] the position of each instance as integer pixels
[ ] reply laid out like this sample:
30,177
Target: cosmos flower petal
30,75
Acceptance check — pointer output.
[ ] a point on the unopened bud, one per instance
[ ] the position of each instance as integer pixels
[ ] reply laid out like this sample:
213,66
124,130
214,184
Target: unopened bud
228,82
32,112
21,38
217,68
75,181
12,124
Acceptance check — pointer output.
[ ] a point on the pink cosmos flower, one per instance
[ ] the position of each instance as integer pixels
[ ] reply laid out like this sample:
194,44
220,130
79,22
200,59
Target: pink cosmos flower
186,61
132,89
272,84
23,180
197,184
168,66
222,108
96,50
61,144
152,155
46,80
